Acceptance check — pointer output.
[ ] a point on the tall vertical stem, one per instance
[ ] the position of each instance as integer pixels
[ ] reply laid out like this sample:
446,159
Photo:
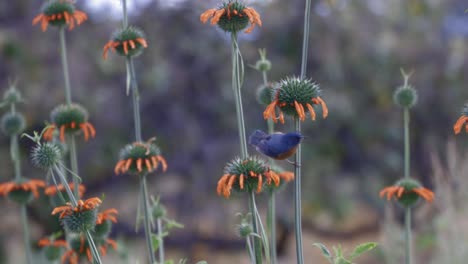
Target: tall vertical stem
136,101
74,165
161,240
406,121
256,240
147,222
63,54
26,237
237,95
305,40
297,197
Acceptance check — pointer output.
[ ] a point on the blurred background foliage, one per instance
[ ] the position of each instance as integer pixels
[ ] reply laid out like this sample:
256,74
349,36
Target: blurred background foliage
356,51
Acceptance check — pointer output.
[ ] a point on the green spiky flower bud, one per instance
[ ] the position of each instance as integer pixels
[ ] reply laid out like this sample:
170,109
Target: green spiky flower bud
264,94
405,96
13,123
46,155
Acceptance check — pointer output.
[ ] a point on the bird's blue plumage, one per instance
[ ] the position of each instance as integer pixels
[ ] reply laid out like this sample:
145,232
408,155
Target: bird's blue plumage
277,145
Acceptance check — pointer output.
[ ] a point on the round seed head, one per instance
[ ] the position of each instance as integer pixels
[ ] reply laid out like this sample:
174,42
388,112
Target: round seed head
408,199
64,115
237,20
263,65
56,7
80,221
264,94
244,229
294,89
405,96
46,155
126,34
13,123
12,96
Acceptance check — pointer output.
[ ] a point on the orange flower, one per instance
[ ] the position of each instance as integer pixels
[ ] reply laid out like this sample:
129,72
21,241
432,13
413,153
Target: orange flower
72,255
69,209
109,214
46,242
31,186
52,190
270,111
60,12
140,157
232,16
227,181
127,45
87,128
398,191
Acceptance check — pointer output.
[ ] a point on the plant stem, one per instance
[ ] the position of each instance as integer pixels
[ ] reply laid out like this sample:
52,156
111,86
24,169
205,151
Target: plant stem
147,222
237,95
265,79
305,40
74,166
271,220
256,240
408,250
406,120
63,54
161,241
93,247
26,237
297,197
136,101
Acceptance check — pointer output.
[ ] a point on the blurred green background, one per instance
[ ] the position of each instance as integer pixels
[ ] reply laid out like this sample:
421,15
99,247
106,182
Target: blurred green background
357,48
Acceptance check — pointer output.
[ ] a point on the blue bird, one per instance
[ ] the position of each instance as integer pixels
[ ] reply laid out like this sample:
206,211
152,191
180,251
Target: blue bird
278,146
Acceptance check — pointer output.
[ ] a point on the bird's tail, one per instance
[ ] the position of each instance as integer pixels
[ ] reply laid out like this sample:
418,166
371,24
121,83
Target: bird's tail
256,137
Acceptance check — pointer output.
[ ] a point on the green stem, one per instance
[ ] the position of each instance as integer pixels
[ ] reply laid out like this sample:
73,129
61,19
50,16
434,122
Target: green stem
256,241
406,120
237,95
265,79
93,247
408,239
297,197
26,237
136,101
15,156
63,54
161,241
305,40
272,226
125,16
74,166
147,222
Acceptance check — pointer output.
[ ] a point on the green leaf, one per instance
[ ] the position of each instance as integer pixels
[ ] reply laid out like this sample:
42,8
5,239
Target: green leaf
362,248
325,252
342,260
170,224
155,239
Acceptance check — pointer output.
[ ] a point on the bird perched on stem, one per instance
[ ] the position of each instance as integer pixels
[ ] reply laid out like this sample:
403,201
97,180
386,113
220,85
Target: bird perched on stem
278,145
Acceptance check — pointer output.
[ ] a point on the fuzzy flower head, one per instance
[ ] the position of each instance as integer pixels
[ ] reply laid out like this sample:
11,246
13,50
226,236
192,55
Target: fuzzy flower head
264,94
13,123
407,192
295,97
462,121
79,218
69,119
232,16
140,158
250,174
52,247
22,192
46,155
129,42
81,249
59,13
104,222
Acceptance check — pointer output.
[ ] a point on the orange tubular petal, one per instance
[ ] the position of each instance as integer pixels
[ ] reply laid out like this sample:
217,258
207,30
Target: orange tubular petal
217,15
88,254
132,44
227,189
260,182
324,107
125,46
92,130
148,165
106,48
311,111
206,15
163,162
62,133
298,110
155,162
67,17
119,166
270,111
458,125
85,131
142,41
241,181
112,243
37,19
43,242
222,183
128,163
400,191
44,23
